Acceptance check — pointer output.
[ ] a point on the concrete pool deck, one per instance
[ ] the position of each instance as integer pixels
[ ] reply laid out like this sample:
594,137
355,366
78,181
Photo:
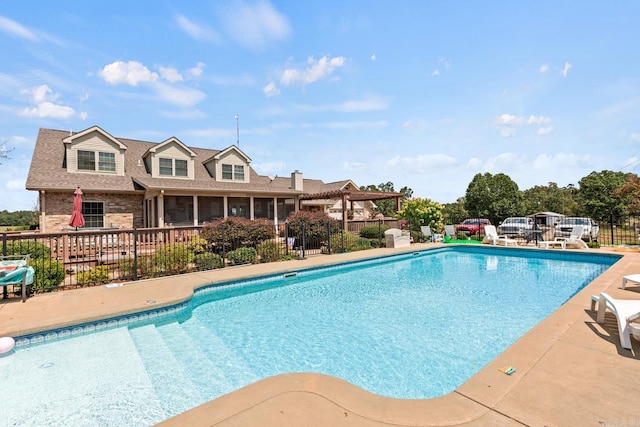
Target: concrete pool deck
569,369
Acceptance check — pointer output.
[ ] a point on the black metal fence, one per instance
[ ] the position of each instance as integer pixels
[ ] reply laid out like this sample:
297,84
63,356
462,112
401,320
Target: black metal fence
93,257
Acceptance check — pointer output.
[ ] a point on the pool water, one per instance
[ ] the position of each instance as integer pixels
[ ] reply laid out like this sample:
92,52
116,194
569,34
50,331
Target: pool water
411,326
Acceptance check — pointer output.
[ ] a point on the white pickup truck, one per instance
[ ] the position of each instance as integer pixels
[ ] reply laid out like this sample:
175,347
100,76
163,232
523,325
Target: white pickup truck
590,230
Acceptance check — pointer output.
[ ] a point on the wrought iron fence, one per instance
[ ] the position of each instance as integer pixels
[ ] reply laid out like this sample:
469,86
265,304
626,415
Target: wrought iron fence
93,257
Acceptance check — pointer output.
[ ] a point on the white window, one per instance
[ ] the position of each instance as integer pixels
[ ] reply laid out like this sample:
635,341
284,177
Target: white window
93,213
87,161
233,172
181,167
166,166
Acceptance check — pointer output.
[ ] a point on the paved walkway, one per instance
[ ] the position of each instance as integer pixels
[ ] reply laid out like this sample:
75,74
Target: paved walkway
570,370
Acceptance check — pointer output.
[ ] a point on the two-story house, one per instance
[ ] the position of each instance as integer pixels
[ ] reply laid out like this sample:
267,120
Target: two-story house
129,183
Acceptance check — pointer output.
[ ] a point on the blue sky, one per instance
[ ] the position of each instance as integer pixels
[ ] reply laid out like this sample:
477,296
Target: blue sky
424,94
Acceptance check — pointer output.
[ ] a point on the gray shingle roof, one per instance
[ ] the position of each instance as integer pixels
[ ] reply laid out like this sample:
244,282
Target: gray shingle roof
48,172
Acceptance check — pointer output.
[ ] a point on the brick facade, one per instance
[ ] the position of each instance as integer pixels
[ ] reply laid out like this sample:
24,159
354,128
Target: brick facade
120,210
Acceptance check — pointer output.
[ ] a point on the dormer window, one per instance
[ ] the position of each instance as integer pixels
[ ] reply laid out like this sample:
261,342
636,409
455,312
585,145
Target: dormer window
87,161
233,172
173,167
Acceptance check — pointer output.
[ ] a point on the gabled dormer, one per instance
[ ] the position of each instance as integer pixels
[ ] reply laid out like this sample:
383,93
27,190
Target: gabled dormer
94,151
171,159
229,165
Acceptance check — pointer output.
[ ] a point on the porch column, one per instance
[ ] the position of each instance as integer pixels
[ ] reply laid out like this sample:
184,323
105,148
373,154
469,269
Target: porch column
251,208
43,215
161,209
275,211
344,212
195,210
398,204
225,206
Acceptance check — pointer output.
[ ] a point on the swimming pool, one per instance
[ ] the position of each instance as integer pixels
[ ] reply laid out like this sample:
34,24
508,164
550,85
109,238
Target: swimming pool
410,326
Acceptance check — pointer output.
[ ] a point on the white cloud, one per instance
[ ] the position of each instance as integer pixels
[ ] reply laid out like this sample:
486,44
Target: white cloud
181,96
170,74
197,70
421,163
50,110
412,125
508,120
15,184
540,120
373,57
354,125
635,137
562,160
314,71
544,68
474,163
505,162
14,29
42,96
566,68
353,106
255,25
545,131
271,89
446,62
196,31
131,73
435,72
83,115
507,132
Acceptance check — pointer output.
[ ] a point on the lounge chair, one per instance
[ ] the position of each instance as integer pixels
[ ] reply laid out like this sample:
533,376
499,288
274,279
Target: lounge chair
626,312
634,278
575,239
396,238
426,233
15,270
450,230
491,236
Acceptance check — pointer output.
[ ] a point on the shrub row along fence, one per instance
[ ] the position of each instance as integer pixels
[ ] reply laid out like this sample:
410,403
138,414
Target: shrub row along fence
88,258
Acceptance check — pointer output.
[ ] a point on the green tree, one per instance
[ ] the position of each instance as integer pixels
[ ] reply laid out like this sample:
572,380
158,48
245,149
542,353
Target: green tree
422,212
494,197
597,195
455,213
551,198
388,207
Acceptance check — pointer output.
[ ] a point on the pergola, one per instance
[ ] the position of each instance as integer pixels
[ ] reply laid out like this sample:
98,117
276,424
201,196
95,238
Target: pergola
352,196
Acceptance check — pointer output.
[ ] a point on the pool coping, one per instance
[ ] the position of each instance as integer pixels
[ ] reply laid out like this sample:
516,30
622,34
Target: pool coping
569,370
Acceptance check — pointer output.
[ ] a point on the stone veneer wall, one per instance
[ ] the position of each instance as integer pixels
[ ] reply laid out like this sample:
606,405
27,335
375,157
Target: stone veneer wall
121,210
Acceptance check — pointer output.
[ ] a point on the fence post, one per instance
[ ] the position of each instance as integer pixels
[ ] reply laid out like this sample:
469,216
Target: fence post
135,253
224,249
4,244
303,240
286,238
379,233
328,238
611,228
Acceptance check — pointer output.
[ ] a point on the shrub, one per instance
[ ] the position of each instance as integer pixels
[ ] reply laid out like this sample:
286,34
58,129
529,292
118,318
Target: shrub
207,261
317,226
48,274
237,232
374,231
94,276
198,245
243,256
347,242
144,266
269,251
35,249
173,258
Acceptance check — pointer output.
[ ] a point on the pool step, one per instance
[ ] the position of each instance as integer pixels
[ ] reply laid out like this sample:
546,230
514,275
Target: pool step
235,368
173,387
204,373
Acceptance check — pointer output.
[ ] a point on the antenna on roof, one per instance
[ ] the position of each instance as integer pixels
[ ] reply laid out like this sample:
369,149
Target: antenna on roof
237,130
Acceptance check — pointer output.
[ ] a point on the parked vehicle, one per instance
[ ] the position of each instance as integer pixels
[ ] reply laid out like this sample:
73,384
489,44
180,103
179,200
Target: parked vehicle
473,225
590,229
516,226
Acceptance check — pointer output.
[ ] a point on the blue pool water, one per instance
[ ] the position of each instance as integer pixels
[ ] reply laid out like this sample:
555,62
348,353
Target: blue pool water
409,326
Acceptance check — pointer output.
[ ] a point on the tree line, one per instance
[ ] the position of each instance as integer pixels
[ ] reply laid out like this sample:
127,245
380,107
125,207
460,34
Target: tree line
603,196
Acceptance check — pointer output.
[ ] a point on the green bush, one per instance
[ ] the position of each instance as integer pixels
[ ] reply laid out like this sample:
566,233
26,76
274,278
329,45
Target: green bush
48,274
144,266
237,233
243,256
198,245
374,231
207,261
315,225
35,249
95,276
269,251
347,242
172,258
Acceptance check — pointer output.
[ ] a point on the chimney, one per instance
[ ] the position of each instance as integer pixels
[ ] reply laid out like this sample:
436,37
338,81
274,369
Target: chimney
296,180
